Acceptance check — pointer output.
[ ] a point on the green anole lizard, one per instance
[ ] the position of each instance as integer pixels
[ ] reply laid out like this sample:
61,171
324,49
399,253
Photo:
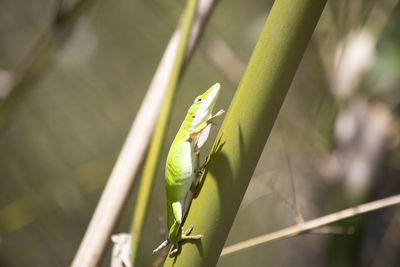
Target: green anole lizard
180,169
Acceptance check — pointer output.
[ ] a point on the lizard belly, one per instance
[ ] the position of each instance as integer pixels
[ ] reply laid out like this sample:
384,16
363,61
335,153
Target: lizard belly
178,176
179,170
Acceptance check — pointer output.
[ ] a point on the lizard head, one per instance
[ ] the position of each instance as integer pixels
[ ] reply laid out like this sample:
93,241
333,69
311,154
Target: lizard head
201,109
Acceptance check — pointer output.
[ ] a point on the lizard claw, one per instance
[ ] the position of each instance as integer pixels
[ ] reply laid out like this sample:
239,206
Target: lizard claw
173,252
190,237
189,230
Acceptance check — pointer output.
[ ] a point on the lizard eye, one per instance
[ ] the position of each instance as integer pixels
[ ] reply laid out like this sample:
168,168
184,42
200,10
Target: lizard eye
199,100
194,116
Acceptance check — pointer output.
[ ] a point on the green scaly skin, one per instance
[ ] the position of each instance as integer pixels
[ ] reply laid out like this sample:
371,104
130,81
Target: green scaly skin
181,160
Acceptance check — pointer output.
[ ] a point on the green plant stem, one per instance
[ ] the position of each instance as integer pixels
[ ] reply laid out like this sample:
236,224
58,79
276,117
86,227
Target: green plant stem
156,145
246,127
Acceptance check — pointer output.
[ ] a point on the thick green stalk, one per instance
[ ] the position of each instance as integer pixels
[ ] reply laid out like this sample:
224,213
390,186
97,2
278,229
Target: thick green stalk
246,127
156,145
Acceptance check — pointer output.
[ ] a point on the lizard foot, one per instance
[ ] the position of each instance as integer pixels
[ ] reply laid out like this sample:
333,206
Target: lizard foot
184,236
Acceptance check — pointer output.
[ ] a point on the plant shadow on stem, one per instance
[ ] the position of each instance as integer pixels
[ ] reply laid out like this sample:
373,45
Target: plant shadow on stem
215,150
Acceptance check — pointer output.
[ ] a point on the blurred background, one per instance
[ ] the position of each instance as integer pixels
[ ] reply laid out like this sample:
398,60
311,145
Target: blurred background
70,87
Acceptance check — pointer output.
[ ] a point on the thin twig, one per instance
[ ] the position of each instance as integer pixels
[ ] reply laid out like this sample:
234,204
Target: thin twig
333,229
313,224
298,216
